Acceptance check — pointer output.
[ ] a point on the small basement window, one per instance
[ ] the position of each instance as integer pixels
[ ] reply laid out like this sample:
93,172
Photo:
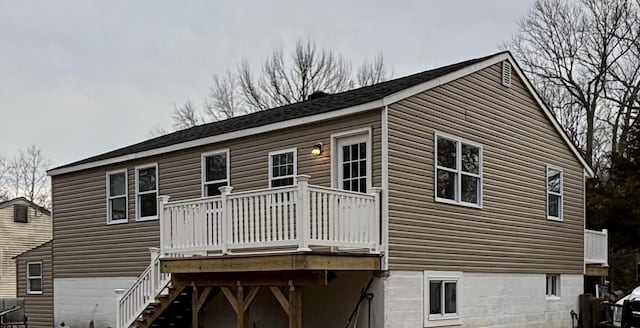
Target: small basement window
553,286
442,298
21,213
34,278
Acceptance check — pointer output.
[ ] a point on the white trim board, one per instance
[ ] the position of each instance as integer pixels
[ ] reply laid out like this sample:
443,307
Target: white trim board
377,104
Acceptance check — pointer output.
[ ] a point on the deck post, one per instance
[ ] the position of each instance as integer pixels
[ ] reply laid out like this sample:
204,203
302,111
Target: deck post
154,252
375,229
162,201
295,306
226,218
302,213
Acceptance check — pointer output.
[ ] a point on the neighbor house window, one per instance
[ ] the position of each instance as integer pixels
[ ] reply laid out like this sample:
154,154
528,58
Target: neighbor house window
553,286
215,172
34,278
20,213
117,197
147,192
554,193
442,297
282,168
458,171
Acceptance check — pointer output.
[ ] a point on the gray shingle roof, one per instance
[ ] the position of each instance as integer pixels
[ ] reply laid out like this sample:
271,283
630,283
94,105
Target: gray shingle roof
297,110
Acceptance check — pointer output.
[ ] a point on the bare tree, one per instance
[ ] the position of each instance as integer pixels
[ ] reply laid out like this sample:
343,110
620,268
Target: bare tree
24,175
4,170
281,80
571,51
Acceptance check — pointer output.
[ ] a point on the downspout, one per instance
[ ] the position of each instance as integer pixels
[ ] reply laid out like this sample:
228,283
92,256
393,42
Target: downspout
384,231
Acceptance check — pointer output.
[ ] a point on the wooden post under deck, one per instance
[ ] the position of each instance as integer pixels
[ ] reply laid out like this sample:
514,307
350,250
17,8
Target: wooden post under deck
197,302
240,303
292,306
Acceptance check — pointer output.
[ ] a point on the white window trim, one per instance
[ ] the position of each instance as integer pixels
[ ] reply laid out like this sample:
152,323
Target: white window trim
138,168
561,194
334,154
458,170
558,295
126,196
203,169
431,320
37,292
295,164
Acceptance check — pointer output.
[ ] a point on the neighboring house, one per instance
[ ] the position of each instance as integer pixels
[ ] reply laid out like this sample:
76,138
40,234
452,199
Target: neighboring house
23,226
452,194
33,269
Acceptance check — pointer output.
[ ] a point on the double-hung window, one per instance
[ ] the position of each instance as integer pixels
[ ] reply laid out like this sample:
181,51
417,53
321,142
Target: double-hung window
34,278
458,171
147,192
442,298
215,172
117,197
554,193
282,167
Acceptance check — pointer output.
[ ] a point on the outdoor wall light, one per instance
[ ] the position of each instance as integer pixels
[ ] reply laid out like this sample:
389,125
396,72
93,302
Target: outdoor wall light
316,149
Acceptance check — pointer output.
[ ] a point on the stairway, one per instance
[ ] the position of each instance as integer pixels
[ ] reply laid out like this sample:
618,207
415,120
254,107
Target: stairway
169,309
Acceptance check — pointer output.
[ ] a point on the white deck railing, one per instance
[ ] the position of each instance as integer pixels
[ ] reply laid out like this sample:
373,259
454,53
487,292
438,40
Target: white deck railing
298,217
145,290
596,247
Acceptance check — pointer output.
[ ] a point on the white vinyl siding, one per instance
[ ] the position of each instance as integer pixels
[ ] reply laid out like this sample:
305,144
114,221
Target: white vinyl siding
34,278
554,193
117,199
215,172
458,171
283,167
147,192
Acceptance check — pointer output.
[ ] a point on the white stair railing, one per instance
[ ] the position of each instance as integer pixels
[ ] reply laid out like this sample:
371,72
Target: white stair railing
596,247
139,296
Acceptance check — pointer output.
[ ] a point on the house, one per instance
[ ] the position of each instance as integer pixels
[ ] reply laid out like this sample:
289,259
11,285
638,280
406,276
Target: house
34,268
450,197
23,226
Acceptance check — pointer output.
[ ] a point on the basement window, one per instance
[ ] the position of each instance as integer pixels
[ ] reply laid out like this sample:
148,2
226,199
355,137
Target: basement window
20,213
442,298
553,286
34,278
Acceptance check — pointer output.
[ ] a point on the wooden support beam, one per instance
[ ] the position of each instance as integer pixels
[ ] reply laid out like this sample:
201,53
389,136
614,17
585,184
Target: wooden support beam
295,307
194,307
281,299
241,303
278,278
232,300
241,315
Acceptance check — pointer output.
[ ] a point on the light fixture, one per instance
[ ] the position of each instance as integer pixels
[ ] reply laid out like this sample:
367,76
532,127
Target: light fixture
316,149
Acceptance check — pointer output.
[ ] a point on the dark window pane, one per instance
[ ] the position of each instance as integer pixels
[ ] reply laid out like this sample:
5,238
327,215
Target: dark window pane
283,171
20,213
118,208
282,182
290,169
363,150
35,270
117,185
554,205
147,179
276,160
363,185
346,185
447,153
216,167
435,297
346,172
275,171
470,159
213,189
354,152
354,170
363,168
148,205
450,301
289,157
35,285
469,189
554,180
346,154
446,185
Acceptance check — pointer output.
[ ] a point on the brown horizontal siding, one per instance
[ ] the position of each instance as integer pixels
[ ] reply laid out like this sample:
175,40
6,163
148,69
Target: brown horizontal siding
510,233
85,246
38,308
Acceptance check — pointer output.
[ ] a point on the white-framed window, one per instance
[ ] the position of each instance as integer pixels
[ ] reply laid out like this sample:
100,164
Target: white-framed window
34,278
147,192
442,298
117,198
458,171
552,286
555,181
283,167
215,172
351,160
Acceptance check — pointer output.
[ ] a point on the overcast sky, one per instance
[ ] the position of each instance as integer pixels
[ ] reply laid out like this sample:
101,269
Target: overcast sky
80,78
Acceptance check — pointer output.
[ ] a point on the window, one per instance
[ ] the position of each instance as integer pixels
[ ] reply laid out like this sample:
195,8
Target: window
20,213
553,286
215,172
458,171
34,278
147,192
554,193
442,298
282,167
351,160
117,197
